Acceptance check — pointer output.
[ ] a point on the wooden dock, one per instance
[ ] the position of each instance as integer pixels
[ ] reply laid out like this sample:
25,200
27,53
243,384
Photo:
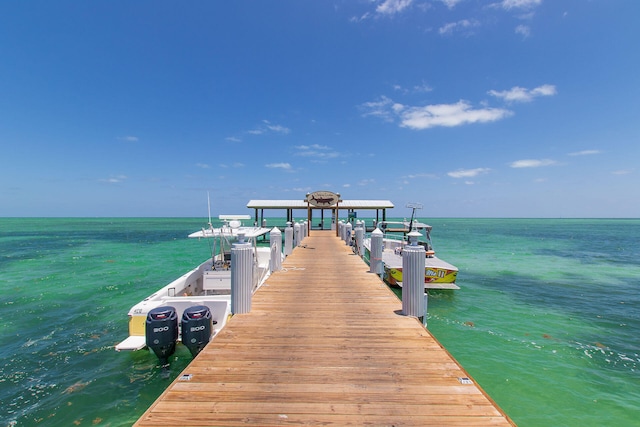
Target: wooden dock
325,344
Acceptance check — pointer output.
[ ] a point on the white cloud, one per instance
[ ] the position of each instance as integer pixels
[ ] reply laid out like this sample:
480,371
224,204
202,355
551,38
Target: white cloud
450,3
449,115
584,153
622,172
519,4
285,166
468,173
532,163
520,94
302,190
421,88
523,30
362,18
232,139
428,116
312,147
277,128
382,109
463,25
316,150
364,182
129,138
114,179
544,90
386,8
233,165
202,165
267,128
421,175
391,7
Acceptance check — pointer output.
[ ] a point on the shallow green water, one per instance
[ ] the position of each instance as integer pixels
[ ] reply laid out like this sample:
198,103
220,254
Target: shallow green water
547,320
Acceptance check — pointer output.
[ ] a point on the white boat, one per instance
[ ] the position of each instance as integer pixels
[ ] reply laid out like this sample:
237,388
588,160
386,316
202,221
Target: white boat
207,285
438,274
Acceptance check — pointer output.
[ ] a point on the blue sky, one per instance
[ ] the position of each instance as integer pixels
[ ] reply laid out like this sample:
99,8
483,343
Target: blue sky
505,108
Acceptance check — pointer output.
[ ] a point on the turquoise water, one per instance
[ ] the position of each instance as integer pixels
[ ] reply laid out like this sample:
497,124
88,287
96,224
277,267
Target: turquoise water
547,320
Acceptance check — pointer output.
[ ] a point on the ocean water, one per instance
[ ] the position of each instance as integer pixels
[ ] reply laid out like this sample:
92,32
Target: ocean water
547,319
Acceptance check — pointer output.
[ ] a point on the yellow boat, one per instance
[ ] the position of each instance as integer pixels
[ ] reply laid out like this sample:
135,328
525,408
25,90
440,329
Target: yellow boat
438,274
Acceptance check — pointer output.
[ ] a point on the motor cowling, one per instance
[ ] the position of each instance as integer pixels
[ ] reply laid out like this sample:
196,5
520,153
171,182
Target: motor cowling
197,327
161,332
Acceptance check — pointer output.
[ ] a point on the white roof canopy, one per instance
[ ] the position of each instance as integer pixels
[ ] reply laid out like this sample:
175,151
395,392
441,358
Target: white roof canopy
302,204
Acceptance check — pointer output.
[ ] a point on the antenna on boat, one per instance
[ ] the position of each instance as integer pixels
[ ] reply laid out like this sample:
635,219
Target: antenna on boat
213,240
413,206
209,206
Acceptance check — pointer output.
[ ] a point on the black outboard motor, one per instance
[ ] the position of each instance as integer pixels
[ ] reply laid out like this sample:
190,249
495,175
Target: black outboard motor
161,332
196,328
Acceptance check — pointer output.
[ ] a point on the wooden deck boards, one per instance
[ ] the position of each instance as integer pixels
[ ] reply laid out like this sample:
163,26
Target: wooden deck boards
325,344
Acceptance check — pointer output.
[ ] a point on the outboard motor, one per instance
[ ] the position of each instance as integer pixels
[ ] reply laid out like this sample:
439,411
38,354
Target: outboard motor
161,332
196,328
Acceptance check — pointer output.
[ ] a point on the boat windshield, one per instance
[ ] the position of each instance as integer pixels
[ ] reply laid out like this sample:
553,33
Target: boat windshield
398,230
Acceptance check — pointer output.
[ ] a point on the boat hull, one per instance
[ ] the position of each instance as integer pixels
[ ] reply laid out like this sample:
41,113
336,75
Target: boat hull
201,286
438,274
393,276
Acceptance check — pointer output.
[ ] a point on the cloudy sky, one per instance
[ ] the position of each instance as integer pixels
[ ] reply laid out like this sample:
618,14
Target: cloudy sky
505,108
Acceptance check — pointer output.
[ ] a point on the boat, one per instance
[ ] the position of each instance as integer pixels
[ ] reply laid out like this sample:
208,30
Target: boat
200,297
438,274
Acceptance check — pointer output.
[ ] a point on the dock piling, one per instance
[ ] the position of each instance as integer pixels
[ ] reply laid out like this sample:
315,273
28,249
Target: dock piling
288,240
275,237
375,258
296,235
241,276
347,233
413,264
359,231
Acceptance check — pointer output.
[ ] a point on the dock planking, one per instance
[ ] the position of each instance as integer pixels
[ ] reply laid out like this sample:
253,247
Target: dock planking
325,343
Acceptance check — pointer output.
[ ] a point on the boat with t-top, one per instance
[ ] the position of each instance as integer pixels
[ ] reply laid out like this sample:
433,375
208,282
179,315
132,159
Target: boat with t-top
200,297
438,274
